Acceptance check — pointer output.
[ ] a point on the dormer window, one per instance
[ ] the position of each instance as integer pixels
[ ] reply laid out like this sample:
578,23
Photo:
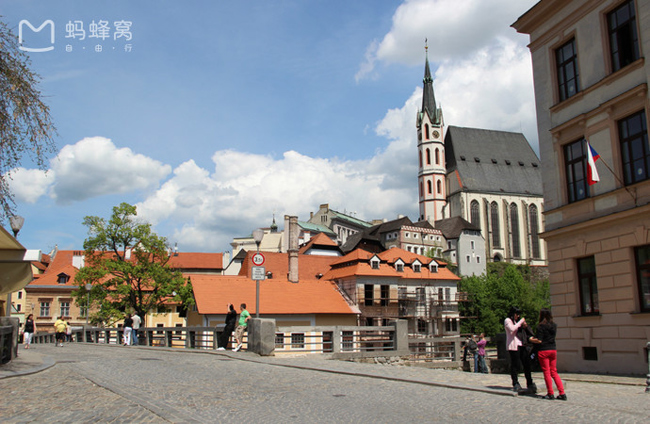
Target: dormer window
374,263
63,278
416,267
399,265
433,267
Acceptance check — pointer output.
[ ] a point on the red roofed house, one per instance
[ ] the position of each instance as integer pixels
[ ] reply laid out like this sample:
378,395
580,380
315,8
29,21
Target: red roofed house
397,284
49,295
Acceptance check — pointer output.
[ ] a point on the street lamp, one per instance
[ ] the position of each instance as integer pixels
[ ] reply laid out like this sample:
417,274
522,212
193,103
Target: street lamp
258,235
88,288
16,223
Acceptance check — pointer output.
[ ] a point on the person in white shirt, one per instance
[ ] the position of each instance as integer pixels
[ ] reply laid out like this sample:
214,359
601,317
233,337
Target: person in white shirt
136,326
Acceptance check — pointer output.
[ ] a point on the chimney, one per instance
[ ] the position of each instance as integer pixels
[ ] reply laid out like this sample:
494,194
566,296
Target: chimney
293,248
78,259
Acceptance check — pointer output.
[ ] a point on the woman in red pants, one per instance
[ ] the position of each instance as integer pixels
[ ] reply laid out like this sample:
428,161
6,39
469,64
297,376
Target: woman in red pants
547,354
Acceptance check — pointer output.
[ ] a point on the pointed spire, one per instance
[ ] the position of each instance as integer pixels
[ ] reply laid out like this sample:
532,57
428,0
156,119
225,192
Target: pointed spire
428,98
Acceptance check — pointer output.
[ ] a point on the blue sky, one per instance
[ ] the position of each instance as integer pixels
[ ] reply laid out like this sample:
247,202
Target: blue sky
223,113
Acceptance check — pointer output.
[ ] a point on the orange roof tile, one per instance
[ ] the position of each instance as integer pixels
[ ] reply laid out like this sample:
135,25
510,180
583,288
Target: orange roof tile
357,263
319,240
309,266
277,296
194,260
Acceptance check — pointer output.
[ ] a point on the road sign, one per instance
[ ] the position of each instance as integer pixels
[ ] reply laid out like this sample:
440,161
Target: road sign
258,273
258,259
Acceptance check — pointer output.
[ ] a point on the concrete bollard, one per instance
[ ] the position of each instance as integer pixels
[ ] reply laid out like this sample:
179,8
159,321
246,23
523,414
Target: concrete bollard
261,336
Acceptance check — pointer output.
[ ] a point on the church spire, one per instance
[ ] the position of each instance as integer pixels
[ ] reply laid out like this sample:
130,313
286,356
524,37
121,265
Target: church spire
428,98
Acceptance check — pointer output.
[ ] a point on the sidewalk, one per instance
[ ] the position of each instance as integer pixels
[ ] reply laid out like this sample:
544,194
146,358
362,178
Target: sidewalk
30,361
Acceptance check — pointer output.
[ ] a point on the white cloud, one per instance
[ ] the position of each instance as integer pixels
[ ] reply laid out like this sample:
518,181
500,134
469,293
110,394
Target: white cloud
483,72
28,185
95,167
206,211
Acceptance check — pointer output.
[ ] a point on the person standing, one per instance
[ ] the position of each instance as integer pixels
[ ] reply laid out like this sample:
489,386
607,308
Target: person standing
231,320
128,328
516,331
547,354
481,354
244,316
61,328
28,330
472,348
136,326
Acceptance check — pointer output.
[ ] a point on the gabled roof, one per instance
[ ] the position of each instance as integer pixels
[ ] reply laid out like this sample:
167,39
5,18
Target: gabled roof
453,227
357,263
62,262
321,241
193,260
350,219
277,296
490,161
309,266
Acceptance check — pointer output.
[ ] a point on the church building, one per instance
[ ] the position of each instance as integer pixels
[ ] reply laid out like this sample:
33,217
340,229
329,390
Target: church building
490,178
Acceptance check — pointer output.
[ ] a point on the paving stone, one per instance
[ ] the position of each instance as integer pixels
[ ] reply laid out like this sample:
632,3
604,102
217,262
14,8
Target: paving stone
114,384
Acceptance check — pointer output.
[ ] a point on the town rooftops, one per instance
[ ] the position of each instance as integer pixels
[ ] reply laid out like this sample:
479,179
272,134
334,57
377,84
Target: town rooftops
453,227
188,261
309,266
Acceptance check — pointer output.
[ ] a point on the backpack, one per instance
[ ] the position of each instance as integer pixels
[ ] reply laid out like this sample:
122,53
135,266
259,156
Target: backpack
471,345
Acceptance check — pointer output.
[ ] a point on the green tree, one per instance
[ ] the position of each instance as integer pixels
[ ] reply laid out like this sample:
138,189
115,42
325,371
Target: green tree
492,294
128,266
26,129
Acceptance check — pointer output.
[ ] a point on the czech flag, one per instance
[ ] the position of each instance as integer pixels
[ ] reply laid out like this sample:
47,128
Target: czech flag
592,172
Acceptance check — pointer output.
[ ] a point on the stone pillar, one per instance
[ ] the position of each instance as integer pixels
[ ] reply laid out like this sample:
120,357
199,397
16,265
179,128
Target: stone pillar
261,336
401,337
293,249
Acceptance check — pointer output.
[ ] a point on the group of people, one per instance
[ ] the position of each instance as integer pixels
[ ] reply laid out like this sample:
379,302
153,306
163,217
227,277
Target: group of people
130,327
232,323
476,348
523,345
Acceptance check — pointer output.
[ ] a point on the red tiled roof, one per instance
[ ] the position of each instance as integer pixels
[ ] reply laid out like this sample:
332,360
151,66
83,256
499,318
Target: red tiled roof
358,263
277,296
319,240
193,260
278,263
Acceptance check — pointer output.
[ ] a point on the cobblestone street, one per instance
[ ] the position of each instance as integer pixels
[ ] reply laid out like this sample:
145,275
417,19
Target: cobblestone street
92,383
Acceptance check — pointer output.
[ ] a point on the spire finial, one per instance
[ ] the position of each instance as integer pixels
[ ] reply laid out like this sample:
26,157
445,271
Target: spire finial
426,47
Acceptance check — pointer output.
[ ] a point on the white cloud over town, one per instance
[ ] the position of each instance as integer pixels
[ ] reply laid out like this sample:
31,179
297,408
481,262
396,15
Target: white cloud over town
482,78
95,167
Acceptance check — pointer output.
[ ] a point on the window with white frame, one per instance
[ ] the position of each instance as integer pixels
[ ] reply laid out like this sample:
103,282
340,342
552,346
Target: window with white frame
297,340
279,340
65,309
45,309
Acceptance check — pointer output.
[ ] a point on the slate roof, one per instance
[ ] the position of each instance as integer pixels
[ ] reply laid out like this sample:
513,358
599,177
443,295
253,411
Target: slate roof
452,227
490,161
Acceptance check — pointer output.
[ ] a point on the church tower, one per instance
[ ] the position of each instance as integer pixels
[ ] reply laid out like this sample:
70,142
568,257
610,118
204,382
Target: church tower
431,151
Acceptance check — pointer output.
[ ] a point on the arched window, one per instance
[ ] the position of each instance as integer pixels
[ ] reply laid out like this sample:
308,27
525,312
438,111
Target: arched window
514,231
496,230
437,156
534,231
429,187
475,214
420,154
428,157
421,189
439,184
426,131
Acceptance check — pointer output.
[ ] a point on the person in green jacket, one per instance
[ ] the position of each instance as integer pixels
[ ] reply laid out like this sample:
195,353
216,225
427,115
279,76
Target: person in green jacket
244,316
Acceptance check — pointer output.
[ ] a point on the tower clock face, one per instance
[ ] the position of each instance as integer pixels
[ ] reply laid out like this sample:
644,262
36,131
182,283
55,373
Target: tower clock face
436,134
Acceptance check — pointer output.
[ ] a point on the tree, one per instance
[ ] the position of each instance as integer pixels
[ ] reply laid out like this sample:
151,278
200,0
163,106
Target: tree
26,129
492,294
128,266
